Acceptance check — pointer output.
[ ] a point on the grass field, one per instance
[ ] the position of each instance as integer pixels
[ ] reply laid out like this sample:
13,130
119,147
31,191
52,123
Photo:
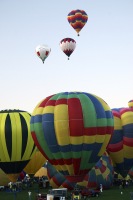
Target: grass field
114,193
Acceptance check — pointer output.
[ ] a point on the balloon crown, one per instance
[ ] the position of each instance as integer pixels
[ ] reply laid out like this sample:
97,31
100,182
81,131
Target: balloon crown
11,110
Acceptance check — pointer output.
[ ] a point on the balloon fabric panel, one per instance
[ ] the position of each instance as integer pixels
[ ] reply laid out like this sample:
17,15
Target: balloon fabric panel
57,179
17,140
5,148
8,136
35,163
101,173
4,180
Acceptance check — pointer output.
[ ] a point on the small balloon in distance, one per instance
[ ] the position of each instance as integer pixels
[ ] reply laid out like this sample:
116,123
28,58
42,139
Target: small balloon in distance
77,19
68,45
43,51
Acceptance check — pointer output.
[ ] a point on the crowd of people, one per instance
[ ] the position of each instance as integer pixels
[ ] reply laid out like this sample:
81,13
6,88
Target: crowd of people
27,183
122,183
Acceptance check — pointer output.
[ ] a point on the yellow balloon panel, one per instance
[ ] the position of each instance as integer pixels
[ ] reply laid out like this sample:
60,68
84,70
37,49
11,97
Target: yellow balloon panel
117,156
35,163
41,172
4,180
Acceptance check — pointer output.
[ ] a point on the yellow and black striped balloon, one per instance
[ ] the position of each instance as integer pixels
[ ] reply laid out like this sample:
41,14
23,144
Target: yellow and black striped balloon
16,144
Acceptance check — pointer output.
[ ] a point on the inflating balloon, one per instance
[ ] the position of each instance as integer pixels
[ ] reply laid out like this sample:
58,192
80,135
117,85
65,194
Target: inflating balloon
130,104
120,147
77,19
41,172
72,130
43,52
57,179
16,144
101,173
35,163
68,45
4,179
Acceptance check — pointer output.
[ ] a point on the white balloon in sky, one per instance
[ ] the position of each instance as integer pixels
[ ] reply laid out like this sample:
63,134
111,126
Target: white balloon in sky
43,51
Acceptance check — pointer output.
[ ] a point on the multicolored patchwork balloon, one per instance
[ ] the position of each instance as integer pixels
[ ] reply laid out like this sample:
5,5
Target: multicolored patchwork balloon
72,130
120,147
101,173
77,19
57,179
68,45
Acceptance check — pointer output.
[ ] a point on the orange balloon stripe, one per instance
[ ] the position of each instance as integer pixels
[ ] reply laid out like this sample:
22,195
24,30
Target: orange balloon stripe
77,17
77,25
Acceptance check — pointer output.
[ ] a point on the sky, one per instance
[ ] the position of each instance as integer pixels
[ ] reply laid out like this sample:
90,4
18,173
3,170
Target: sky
102,63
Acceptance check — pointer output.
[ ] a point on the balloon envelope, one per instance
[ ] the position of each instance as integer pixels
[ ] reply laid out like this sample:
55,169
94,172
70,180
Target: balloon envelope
72,130
41,172
77,19
68,45
16,144
120,147
101,173
4,179
57,179
130,104
35,163
43,51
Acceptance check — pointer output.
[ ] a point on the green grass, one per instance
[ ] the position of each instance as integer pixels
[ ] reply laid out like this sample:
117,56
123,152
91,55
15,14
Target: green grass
114,193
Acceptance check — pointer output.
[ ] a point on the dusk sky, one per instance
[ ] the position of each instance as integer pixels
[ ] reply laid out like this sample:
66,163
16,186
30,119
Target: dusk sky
102,63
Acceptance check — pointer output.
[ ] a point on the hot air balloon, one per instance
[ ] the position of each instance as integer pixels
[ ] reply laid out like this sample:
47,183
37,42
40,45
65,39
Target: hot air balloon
35,163
57,179
68,45
130,104
4,179
16,144
101,173
41,172
72,130
120,147
77,19
43,51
